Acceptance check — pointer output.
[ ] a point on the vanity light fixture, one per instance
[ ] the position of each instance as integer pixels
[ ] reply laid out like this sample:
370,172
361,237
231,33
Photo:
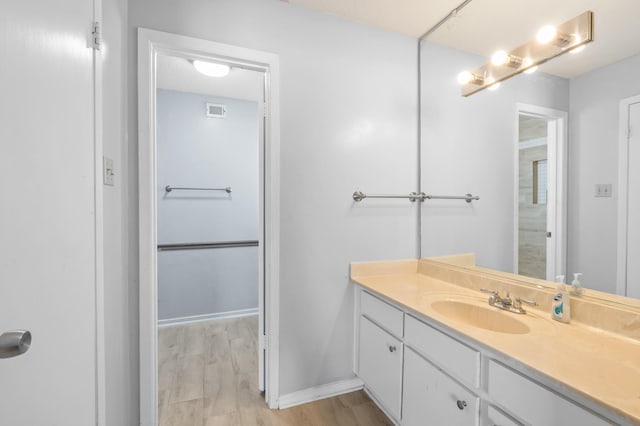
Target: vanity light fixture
503,58
526,63
549,42
578,49
466,77
546,34
491,84
211,69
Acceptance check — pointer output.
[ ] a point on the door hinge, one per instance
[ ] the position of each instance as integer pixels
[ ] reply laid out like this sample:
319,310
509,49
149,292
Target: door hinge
96,36
265,108
262,341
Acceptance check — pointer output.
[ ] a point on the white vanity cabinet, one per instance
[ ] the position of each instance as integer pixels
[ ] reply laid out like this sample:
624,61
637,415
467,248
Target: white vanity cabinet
380,352
432,397
421,375
534,404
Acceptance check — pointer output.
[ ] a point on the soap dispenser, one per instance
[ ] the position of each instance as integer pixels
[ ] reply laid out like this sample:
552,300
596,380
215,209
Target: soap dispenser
576,287
561,305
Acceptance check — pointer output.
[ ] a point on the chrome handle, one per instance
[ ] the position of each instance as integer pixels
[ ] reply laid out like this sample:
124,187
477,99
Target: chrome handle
461,404
14,343
506,300
392,348
487,290
527,301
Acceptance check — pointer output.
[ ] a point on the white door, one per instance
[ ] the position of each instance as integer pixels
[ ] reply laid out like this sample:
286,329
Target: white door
47,217
633,200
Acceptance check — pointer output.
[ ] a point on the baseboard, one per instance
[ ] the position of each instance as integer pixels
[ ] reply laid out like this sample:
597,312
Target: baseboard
319,392
208,317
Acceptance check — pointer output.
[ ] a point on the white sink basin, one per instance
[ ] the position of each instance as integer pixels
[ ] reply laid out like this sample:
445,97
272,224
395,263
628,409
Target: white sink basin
487,318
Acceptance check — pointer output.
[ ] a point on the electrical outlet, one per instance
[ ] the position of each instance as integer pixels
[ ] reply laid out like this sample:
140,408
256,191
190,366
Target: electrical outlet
603,190
107,171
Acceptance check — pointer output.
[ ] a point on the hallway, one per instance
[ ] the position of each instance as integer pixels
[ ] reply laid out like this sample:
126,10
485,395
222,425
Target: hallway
208,375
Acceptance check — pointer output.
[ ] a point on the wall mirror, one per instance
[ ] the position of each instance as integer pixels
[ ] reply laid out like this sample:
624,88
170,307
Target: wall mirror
547,152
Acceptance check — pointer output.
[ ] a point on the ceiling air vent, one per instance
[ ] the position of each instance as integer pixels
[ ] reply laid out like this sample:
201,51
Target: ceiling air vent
216,110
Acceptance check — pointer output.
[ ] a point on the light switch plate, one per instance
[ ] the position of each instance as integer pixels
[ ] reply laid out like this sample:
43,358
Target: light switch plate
107,171
603,190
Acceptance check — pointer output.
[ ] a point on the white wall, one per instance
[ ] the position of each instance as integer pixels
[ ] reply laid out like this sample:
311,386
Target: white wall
468,147
348,121
199,151
593,159
120,296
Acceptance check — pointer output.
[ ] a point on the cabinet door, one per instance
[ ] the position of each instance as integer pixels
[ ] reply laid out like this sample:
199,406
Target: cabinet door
430,397
380,365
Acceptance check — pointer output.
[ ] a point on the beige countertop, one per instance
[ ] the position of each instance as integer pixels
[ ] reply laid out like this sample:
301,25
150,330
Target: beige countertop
600,366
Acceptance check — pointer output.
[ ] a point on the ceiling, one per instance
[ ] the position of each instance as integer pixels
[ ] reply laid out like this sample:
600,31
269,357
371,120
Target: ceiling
178,74
484,26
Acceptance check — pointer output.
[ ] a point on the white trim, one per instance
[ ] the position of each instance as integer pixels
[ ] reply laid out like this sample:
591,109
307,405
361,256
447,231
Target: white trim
559,228
623,192
320,392
100,333
150,44
208,317
356,325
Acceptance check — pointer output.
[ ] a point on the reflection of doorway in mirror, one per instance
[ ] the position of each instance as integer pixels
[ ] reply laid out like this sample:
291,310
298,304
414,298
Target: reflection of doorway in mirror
532,196
539,163
629,202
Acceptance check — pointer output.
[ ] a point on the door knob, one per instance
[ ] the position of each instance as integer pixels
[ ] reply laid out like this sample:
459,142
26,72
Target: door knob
14,343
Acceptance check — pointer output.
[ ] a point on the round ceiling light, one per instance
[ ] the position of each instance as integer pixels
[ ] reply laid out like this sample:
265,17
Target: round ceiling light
212,69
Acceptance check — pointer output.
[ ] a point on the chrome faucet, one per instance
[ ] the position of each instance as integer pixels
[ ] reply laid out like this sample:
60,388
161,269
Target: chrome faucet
506,303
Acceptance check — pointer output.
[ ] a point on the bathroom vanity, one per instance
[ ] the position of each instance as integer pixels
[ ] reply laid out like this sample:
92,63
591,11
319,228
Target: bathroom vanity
430,350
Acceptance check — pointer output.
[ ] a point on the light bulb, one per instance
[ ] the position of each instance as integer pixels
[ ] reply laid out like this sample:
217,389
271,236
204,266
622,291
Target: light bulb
546,34
499,58
526,62
212,69
578,49
464,77
491,84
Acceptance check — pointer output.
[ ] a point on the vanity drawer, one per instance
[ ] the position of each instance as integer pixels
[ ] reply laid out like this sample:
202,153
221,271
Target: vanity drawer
534,404
450,354
382,313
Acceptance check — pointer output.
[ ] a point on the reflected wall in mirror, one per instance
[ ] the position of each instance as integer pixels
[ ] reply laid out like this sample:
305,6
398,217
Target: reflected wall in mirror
471,144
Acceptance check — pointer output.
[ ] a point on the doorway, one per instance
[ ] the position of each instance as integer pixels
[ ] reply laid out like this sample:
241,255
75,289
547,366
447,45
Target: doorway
628,275
154,48
539,185
208,138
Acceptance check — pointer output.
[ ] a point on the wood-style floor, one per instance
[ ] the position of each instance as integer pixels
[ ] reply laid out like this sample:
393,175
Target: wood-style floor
208,376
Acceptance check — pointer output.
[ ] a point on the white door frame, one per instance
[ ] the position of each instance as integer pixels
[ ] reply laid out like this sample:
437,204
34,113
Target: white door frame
623,191
98,131
557,161
150,44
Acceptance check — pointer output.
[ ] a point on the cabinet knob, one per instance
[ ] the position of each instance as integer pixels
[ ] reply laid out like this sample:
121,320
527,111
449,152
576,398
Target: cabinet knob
461,404
392,348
